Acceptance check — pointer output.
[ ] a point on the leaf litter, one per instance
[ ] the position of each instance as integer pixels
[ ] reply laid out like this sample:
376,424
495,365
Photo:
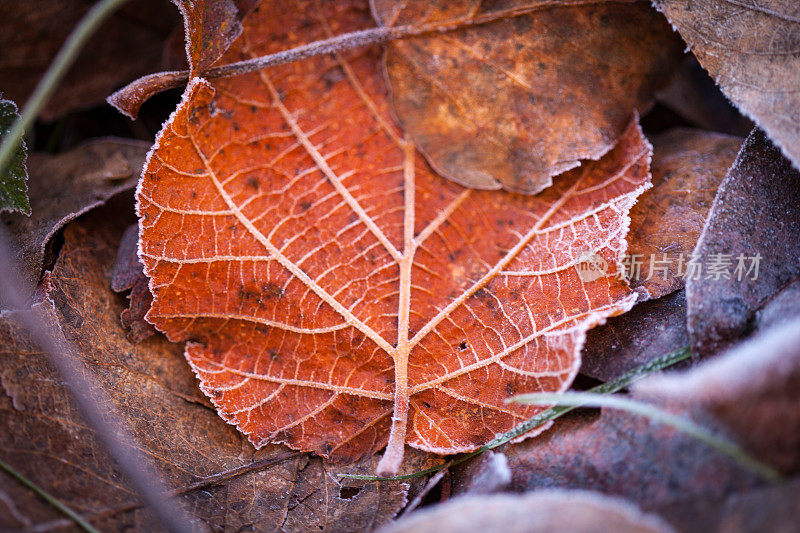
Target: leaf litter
725,498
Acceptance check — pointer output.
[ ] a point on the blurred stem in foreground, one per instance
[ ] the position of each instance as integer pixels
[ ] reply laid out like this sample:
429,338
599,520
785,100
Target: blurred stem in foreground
55,72
46,496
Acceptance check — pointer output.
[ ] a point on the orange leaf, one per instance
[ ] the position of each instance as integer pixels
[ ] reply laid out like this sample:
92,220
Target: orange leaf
336,292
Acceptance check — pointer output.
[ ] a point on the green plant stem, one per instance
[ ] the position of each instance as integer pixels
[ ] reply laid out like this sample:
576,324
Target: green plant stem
545,416
83,524
63,60
683,424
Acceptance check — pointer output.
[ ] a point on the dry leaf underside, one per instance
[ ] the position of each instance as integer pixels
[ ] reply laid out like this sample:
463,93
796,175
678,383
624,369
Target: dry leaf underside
514,103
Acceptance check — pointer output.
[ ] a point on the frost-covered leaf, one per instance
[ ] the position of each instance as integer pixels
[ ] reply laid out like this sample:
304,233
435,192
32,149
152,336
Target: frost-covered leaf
336,293
752,235
750,48
688,166
210,26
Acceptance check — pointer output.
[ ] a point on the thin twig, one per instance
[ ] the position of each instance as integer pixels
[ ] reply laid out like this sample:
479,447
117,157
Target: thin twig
91,400
547,415
46,496
147,86
382,35
44,89
685,425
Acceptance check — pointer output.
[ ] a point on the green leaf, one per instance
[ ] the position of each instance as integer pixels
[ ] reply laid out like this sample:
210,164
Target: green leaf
13,189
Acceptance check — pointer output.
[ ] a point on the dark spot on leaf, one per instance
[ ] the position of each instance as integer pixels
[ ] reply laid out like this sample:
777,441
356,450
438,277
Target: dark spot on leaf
347,493
271,290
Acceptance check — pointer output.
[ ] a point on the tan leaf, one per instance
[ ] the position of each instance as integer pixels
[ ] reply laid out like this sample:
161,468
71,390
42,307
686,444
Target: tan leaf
64,186
688,166
515,102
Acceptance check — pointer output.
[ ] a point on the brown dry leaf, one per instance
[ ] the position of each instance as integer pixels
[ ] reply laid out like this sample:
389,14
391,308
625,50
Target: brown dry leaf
127,46
754,390
752,511
646,332
750,49
335,291
750,394
220,478
756,214
513,103
688,166
210,26
128,275
539,512
64,186
627,456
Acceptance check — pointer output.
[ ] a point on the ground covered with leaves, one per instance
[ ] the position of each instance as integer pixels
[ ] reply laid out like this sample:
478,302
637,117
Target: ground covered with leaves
402,266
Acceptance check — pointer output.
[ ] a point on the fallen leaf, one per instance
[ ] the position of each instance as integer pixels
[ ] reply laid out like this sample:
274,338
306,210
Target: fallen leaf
756,214
210,27
754,390
13,189
206,463
649,330
539,512
749,394
128,275
335,292
128,44
515,102
687,167
750,49
63,186
627,456
761,509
